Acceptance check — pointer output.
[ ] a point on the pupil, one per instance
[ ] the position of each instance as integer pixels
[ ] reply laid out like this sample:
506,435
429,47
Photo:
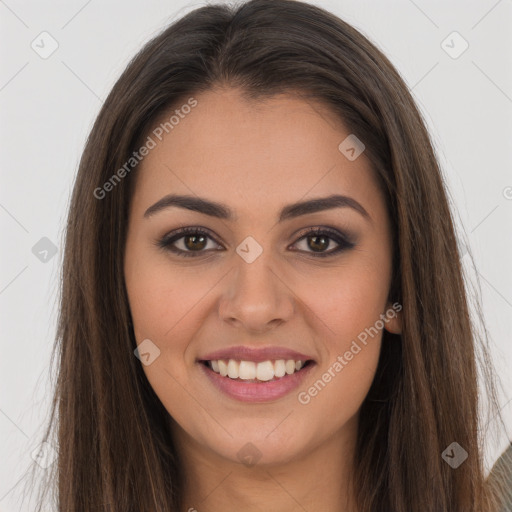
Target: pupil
194,238
315,245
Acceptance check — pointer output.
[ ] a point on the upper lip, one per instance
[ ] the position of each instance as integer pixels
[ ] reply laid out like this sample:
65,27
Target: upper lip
245,353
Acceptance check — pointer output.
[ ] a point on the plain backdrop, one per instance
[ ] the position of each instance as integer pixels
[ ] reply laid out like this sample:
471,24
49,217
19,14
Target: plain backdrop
48,106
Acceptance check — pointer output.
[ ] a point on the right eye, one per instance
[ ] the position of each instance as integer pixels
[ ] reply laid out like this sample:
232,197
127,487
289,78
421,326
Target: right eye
193,240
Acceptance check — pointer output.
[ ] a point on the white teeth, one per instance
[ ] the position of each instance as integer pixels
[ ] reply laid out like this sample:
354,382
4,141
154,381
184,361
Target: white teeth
290,366
233,369
265,370
279,368
250,370
223,368
247,370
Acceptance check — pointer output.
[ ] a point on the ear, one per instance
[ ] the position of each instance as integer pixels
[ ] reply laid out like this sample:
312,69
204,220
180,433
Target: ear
393,318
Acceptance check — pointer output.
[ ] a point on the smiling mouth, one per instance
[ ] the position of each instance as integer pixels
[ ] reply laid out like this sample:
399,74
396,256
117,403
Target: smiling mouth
256,372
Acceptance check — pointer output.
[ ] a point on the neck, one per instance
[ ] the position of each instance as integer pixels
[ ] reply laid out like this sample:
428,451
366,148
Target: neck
315,481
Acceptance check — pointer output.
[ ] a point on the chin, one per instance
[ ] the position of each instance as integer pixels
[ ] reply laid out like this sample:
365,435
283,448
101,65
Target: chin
257,445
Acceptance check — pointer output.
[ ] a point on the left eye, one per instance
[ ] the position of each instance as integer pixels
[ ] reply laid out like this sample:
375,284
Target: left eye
319,239
194,241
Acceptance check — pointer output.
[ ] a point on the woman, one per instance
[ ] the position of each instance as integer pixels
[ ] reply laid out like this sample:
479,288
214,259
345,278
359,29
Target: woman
262,301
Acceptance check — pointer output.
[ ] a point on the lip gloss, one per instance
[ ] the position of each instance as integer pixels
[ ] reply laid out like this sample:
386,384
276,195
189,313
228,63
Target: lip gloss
257,391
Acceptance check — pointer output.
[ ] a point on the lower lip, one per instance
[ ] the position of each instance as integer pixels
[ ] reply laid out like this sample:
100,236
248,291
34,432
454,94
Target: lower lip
257,391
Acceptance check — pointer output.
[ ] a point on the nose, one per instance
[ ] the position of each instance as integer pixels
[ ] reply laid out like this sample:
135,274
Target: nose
256,298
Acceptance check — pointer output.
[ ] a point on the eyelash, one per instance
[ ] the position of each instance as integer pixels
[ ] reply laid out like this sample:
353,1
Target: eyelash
167,241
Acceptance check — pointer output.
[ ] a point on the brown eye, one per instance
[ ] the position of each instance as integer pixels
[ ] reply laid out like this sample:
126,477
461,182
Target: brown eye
187,242
317,241
195,242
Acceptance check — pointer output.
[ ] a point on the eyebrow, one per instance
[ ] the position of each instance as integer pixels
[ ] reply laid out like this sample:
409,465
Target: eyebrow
222,211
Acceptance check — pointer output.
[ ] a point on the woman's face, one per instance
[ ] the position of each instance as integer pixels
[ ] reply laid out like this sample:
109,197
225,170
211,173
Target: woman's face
256,287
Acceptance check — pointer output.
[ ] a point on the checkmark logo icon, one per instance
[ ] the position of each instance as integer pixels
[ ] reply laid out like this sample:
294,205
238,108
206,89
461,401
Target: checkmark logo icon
44,45
454,45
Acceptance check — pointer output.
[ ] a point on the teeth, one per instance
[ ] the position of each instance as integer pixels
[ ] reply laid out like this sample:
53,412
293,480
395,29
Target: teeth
290,366
246,370
280,368
250,370
233,367
265,370
223,368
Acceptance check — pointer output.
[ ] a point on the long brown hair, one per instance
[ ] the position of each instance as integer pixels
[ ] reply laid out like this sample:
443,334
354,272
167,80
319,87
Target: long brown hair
115,450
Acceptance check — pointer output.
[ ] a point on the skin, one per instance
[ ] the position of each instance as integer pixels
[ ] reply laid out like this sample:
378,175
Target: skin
257,157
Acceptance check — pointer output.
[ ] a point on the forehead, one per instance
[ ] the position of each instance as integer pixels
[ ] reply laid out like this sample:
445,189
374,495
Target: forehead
255,152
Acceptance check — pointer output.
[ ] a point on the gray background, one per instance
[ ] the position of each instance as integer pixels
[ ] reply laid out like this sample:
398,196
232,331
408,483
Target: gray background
48,107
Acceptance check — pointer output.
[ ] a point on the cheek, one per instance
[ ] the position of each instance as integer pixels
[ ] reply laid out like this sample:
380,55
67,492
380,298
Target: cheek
158,299
347,310
161,296
163,307
339,390
153,303
345,300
